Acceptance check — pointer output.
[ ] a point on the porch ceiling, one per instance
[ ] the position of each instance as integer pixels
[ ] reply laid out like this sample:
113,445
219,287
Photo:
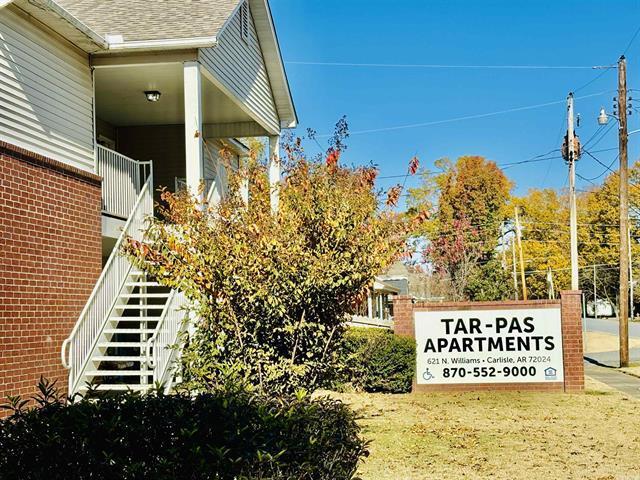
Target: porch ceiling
120,98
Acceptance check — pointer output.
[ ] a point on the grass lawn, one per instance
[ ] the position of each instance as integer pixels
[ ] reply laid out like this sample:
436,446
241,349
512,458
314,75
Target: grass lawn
500,435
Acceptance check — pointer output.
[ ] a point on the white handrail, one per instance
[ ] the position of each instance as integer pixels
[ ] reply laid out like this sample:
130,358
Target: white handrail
95,314
150,360
166,334
122,181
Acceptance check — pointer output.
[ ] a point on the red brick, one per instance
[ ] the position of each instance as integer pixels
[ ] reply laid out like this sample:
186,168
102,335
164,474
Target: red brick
50,258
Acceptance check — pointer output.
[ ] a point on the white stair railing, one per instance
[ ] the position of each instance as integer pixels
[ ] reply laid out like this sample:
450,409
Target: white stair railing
160,351
77,348
122,181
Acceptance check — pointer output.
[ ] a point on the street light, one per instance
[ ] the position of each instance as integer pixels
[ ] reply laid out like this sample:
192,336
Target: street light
603,118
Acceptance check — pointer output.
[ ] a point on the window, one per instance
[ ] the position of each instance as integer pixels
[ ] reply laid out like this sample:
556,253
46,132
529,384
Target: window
244,21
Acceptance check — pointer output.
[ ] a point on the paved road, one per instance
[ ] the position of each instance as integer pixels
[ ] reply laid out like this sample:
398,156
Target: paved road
609,325
620,381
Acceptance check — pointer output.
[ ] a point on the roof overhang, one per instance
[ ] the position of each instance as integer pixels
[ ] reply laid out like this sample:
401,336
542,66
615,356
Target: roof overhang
380,286
49,13
117,44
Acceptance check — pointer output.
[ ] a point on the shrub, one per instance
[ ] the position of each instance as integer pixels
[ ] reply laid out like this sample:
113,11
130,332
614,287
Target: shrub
211,436
376,360
271,291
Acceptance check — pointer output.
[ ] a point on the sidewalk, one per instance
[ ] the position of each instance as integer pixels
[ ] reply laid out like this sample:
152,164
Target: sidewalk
627,384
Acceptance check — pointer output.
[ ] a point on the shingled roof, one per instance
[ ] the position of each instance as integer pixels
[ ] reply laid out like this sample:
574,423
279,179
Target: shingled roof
139,20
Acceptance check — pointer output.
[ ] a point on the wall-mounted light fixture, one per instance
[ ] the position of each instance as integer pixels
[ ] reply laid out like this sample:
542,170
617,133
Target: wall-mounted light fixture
152,95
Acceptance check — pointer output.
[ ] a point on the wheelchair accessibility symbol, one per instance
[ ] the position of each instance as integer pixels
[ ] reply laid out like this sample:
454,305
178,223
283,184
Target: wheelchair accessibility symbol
427,375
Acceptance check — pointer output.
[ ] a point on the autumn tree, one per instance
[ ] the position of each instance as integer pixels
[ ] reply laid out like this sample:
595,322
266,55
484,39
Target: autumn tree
598,232
544,219
546,238
467,199
271,291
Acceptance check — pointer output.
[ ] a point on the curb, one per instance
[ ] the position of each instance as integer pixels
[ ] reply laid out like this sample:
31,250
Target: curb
615,369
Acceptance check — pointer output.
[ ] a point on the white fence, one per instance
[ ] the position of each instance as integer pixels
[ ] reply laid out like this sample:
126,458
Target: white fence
374,322
122,181
160,352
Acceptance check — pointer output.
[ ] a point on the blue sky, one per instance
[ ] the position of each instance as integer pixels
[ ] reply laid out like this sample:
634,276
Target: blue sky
456,32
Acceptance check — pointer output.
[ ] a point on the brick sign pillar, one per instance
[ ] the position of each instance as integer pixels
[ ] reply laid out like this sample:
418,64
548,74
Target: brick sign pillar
404,309
403,316
571,310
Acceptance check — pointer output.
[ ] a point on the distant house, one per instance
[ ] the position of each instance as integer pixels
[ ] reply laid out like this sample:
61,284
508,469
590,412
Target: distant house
101,102
377,310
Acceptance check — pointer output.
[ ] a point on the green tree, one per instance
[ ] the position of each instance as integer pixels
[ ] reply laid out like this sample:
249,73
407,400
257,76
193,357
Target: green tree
489,281
271,292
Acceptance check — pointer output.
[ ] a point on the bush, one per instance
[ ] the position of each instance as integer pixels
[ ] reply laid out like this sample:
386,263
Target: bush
271,291
376,360
210,436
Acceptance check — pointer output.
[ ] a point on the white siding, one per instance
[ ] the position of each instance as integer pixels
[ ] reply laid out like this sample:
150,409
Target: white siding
214,167
239,66
46,93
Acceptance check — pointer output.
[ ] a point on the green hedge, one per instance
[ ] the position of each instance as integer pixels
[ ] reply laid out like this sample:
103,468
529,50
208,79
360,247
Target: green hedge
376,360
212,436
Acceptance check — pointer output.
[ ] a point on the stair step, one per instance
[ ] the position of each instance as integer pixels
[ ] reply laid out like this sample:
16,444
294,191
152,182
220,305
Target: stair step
119,358
118,373
135,319
120,387
144,295
142,284
123,344
129,330
139,307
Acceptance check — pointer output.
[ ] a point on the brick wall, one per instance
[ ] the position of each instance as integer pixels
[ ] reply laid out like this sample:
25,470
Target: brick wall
571,314
50,258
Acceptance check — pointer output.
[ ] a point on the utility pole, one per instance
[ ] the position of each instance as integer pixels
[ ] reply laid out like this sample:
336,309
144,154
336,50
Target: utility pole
624,213
595,298
502,241
572,156
550,287
631,310
518,237
515,273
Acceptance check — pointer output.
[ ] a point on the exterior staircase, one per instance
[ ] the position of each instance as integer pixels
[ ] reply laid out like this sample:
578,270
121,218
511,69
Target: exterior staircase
120,359
124,337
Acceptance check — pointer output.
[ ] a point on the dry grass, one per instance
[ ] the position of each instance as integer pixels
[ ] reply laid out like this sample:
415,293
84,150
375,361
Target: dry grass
597,342
500,436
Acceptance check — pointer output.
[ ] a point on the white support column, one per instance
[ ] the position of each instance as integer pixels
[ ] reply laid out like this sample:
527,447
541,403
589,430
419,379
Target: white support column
194,154
274,171
244,186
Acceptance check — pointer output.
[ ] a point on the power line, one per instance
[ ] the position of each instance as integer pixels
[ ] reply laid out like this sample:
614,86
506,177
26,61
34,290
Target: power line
607,167
631,41
597,77
466,117
440,66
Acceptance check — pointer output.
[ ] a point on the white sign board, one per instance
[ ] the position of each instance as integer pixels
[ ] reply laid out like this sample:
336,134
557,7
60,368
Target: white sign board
489,346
